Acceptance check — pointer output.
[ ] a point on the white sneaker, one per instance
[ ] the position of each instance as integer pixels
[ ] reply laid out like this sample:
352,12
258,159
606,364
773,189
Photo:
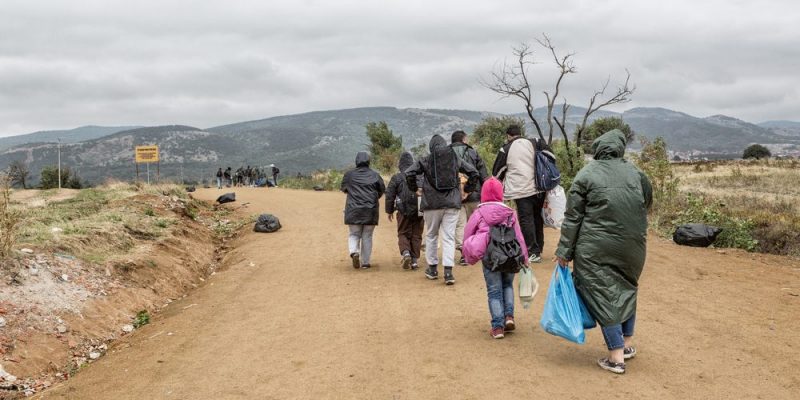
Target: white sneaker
534,259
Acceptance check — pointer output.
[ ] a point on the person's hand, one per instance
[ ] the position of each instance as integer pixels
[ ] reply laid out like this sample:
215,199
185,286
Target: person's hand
561,261
391,217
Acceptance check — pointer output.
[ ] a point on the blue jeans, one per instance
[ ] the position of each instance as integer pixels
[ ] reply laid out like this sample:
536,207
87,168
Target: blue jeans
219,183
615,334
500,289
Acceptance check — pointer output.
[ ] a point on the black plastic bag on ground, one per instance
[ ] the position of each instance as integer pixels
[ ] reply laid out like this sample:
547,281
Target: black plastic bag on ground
226,198
190,189
696,235
267,223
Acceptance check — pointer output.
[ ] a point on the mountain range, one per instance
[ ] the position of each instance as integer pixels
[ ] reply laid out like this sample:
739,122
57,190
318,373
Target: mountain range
329,139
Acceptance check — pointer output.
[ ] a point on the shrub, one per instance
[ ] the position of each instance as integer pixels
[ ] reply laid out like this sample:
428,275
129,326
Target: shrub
737,232
9,218
756,151
142,318
654,162
562,161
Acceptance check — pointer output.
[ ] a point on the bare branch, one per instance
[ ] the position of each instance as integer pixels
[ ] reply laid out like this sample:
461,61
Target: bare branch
623,95
565,67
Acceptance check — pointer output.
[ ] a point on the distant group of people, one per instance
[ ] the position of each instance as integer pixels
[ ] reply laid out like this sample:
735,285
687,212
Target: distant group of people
450,196
247,176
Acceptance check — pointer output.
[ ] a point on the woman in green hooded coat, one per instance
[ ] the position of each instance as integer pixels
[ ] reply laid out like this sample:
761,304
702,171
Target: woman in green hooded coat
605,233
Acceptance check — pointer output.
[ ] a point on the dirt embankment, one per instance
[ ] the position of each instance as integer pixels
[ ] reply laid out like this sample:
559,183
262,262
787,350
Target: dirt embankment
60,312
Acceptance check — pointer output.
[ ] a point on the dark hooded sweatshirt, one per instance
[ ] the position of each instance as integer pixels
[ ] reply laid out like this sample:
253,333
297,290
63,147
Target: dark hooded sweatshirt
397,188
363,187
468,154
605,230
433,199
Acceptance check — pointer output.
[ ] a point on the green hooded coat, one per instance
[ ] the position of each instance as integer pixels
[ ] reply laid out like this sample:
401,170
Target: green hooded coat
605,230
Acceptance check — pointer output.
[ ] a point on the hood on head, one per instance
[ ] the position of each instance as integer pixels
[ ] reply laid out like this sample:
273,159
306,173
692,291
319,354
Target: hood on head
362,159
406,159
609,145
492,190
436,142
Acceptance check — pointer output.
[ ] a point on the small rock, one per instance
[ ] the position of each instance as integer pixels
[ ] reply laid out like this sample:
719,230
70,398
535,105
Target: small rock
252,264
72,344
65,277
127,328
61,329
94,355
2,322
33,271
27,251
10,378
56,229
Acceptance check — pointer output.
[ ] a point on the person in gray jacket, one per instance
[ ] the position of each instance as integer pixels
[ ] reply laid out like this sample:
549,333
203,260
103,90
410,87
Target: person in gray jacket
469,202
515,165
363,187
441,201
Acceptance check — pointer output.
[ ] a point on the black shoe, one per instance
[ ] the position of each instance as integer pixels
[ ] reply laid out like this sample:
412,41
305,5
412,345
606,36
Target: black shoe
431,273
462,262
448,276
356,260
406,261
414,266
366,266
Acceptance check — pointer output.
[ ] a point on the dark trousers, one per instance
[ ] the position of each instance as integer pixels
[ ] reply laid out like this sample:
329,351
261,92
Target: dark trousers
531,222
409,234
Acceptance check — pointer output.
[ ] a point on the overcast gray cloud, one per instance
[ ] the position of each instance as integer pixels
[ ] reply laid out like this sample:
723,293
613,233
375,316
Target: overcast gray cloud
204,63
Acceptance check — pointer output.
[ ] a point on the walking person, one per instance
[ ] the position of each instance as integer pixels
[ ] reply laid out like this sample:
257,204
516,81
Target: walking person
441,200
469,201
228,177
604,234
219,178
275,172
403,200
363,187
499,284
515,165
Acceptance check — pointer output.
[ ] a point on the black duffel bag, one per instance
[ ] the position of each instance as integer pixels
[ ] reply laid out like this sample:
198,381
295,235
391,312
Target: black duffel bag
226,198
267,223
696,235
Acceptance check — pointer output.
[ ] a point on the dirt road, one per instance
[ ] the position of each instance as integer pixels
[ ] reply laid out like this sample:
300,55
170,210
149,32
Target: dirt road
290,318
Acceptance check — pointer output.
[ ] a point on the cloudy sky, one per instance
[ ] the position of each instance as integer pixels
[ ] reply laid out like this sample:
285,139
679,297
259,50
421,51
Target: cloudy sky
204,63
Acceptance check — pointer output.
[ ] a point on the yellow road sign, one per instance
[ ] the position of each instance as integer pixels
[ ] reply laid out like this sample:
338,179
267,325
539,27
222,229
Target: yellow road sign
146,154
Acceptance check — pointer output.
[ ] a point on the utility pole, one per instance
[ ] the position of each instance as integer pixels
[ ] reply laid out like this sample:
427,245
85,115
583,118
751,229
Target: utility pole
59,163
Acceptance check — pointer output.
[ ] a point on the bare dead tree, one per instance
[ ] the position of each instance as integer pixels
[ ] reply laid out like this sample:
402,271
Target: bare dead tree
512,80
623,95
18,173
565,67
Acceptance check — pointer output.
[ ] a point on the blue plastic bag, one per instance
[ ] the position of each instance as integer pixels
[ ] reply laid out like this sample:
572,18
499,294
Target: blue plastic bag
562,314
586,317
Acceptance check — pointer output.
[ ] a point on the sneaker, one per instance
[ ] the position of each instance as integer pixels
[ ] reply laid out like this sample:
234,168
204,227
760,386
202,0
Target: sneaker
462,262
497,333
431,273
535,259
449,279
356,260
366,266
510,326
608,365
414,266
629,352
406,261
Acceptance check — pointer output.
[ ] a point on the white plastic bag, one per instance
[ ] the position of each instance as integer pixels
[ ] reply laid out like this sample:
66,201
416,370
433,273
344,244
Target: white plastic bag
555,204
528,286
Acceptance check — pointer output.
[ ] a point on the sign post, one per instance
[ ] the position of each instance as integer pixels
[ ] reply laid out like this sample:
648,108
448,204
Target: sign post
147,155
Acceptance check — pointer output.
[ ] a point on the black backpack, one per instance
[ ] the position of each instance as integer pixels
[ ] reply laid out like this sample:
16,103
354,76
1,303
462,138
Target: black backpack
406,202
444,164
503,253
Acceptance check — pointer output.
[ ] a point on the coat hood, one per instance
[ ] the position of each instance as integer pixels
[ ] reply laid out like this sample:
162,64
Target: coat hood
609,146
492,190
495,213
406,159
362,159
436,142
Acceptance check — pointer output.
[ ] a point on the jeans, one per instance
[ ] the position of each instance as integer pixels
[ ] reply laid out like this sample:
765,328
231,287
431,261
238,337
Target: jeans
360,241
441,221
219,183
615,334
500,289
531,222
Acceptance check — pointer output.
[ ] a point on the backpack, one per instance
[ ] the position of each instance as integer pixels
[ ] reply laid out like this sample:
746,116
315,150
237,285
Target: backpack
503,253
547,174
406,202
444,164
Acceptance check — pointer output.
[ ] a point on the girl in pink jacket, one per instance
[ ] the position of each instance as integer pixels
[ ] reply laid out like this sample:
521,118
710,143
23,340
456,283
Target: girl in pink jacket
499,285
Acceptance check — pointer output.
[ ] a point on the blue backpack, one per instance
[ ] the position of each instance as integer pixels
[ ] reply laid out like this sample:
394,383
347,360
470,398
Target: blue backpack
547,174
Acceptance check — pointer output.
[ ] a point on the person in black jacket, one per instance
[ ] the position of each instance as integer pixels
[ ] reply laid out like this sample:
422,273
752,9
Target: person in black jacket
441,202
219,178
409,220
363,187
469,202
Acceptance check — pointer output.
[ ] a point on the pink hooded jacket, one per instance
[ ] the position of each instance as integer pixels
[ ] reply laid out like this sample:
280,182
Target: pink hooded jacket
490,212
